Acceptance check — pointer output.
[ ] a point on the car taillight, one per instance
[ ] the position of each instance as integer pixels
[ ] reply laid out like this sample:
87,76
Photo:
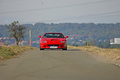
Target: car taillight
44,41
62,41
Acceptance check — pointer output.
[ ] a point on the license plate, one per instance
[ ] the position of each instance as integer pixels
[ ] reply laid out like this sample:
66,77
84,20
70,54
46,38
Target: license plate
53,47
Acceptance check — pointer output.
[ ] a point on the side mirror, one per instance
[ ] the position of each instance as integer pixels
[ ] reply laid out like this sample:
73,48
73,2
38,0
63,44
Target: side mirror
39,36
66,37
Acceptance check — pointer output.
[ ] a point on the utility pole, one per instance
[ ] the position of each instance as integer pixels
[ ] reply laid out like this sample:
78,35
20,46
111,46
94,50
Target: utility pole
1,41
30,37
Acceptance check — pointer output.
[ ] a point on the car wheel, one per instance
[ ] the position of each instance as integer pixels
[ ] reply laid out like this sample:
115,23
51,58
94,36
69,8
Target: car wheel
64,48
41,48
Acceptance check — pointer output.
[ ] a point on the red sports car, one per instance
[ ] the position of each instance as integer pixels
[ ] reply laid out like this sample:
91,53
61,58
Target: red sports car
53,40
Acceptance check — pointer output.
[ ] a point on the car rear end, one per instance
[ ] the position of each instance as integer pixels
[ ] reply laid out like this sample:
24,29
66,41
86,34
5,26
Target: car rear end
53,43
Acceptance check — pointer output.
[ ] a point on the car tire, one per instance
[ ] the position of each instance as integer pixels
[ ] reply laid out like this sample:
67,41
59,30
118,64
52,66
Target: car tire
64,48
41,48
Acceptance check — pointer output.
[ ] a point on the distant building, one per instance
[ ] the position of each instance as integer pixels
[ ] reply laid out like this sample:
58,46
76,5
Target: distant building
77,42
104,40
116,41
72,42
80,40
111,40
84,41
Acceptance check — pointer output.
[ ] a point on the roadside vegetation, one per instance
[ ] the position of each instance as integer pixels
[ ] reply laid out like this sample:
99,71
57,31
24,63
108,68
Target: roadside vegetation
112,54
17,31
7,52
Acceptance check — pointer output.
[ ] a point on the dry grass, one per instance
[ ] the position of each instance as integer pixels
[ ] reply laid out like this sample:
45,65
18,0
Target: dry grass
112,54
10,51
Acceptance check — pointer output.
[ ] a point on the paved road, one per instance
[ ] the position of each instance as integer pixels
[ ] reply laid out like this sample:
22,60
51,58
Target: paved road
57,65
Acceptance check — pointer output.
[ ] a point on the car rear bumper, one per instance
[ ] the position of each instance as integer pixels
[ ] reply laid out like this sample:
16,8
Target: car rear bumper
53,46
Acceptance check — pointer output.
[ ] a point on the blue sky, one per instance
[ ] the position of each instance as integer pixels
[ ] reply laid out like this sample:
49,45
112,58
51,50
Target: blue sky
59,11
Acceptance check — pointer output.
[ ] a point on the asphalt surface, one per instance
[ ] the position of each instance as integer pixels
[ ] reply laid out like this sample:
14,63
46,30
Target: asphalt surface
72,64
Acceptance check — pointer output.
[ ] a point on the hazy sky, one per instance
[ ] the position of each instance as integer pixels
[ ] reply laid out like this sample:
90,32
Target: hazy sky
59,11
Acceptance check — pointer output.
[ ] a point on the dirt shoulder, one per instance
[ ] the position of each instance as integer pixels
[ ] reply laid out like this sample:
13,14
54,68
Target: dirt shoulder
109,55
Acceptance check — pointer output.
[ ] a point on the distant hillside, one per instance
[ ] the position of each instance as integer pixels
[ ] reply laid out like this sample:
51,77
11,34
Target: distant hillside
76,31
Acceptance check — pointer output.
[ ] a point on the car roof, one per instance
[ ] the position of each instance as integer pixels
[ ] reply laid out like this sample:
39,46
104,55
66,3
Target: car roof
53,32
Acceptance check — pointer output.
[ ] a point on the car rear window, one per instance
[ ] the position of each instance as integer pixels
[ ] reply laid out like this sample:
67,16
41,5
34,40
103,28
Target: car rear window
53,35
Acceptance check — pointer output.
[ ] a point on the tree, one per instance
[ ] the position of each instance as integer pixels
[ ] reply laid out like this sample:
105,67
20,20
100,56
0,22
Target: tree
107,44
17,31
76,45
88,43
100,45
94,42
